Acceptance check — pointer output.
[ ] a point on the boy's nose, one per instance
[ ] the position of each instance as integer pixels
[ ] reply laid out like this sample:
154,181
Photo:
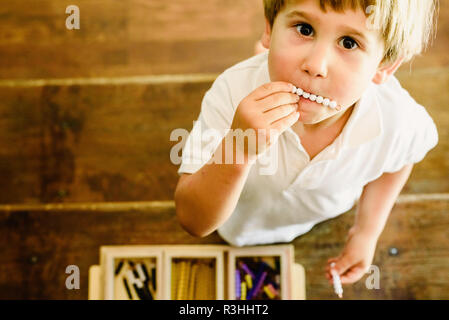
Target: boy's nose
316,62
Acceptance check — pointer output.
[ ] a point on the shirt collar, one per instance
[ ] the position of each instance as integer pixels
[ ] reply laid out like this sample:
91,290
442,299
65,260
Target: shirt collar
365,122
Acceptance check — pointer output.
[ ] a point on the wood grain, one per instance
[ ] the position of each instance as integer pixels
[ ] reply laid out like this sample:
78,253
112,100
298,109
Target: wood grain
128,37
92,141
85,137
137,37
39,242
417,229
72,143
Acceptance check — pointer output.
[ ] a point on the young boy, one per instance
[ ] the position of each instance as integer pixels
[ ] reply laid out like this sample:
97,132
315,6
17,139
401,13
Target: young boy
344,130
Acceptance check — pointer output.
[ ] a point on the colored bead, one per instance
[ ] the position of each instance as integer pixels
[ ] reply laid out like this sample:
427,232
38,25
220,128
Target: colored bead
336,281
333,104
243,291
249,281
247,270
237,284
255,290
268,292
272,289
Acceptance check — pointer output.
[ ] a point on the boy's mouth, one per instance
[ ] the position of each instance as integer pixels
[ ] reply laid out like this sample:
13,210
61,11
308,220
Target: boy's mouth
315,98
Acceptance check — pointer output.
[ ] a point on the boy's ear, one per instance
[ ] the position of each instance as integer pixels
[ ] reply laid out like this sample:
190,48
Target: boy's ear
266,37
384,71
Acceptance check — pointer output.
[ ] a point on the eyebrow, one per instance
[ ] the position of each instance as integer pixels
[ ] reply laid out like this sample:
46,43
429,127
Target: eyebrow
345,28
301,14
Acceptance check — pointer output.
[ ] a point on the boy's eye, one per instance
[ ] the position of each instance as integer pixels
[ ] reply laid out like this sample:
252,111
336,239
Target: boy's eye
348,43
305,29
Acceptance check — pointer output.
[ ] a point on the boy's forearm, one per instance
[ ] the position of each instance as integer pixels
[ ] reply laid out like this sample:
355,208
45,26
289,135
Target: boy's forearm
378,199
209,196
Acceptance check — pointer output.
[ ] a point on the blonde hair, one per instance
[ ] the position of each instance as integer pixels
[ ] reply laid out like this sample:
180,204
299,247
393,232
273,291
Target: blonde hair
407,26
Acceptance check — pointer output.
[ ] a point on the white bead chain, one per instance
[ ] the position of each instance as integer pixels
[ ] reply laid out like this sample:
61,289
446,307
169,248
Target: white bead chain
336,281
312,97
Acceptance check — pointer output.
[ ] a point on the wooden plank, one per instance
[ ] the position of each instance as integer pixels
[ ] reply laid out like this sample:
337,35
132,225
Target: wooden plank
73,143
129,37
136,37
38,244
94,141
417,229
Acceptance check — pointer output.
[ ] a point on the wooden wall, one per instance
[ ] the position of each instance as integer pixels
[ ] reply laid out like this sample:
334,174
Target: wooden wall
123,38
96,142
85,123
48,238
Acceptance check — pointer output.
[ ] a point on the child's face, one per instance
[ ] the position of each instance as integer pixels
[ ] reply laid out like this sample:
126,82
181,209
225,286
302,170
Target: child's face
318,53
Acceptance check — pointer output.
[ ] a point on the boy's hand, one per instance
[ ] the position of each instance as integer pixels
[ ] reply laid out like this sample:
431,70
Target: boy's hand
355,259
270,106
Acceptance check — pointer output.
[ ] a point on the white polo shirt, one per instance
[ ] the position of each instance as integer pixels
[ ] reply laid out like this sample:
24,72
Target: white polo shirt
387,130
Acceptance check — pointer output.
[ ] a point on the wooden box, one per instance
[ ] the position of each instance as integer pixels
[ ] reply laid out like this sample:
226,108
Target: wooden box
282,262
112,278
197,272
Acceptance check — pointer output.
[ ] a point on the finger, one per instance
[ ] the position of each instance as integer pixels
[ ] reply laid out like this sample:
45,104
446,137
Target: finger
352,276
277,99
269,88
282,124
329,262
329,276
343,264
280,112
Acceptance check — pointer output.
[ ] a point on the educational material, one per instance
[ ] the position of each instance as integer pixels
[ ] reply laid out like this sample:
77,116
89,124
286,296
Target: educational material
193,279
318,99
200,272
194,272
131,272
260,275
264,273
132,276
336,281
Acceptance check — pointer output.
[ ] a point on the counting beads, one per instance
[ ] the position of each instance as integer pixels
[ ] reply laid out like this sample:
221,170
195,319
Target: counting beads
257,278
336,281
318,99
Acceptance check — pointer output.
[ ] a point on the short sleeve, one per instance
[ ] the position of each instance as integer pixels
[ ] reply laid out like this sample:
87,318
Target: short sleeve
419,136
214,121
423,140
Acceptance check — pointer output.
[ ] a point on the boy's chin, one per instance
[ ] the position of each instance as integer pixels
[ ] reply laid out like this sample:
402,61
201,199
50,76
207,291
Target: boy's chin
306,118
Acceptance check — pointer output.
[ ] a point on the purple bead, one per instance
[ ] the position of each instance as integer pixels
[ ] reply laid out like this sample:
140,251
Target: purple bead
255,290
247,270
237,284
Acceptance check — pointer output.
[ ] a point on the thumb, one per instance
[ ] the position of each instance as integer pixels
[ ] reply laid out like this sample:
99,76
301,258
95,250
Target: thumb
342,264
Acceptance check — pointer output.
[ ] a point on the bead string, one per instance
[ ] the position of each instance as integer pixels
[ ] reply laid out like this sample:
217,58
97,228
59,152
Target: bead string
318,99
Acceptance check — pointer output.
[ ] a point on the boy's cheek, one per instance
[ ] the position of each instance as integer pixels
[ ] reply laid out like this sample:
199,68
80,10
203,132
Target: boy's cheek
349,87
282,64
280,68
